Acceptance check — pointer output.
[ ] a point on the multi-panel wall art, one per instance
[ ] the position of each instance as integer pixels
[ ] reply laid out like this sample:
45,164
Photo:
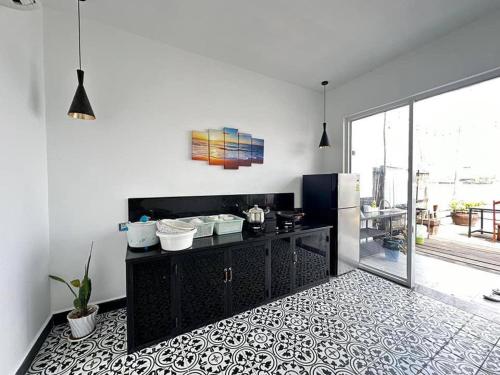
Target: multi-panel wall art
227,147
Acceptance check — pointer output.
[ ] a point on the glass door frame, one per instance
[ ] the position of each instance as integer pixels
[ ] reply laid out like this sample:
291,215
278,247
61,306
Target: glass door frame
411,213
409,281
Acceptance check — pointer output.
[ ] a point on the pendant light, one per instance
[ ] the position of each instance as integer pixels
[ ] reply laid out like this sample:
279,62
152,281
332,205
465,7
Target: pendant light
324,138
80,106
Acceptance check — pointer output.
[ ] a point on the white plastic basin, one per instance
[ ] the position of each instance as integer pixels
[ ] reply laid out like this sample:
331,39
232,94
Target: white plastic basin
176,241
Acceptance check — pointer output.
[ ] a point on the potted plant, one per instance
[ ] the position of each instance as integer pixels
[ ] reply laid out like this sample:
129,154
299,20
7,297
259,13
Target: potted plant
82,319
460,212
370,207
392,247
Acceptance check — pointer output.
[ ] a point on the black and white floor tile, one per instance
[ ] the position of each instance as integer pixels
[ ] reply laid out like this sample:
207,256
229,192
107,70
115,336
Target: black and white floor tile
355,324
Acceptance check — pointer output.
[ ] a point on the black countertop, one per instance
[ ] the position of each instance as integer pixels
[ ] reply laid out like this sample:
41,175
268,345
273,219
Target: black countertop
204,243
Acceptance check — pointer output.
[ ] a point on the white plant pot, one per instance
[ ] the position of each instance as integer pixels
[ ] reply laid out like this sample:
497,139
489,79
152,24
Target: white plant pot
81,327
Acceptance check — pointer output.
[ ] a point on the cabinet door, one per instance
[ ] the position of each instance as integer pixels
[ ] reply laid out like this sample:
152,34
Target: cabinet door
149,314
202,288
281,267
311,258
247,277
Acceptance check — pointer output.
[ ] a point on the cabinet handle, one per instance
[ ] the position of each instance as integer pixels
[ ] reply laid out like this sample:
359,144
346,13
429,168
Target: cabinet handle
225,275
230,275
295,258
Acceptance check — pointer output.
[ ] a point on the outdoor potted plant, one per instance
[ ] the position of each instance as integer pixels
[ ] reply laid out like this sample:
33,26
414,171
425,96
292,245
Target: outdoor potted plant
392,247
371,207
82,319
460,212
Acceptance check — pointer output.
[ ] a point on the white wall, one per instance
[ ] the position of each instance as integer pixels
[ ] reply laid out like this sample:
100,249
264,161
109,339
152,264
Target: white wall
147,97
24,256
470,50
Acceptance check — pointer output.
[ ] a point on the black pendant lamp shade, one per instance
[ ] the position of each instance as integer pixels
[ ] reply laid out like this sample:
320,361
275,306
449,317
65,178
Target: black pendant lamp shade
80,106
325,142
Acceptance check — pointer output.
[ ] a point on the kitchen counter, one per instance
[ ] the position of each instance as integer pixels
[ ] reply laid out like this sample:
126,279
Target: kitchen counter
383,214
204,243
173,292
377,232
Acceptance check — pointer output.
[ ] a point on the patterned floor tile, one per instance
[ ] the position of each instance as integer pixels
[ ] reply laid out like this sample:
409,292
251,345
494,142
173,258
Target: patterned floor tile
449,364
484,329
469,347
453,316
355,324
492,363
380,368
400,363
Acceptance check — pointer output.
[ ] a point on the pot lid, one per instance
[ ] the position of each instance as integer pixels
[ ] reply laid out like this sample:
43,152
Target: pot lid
255,210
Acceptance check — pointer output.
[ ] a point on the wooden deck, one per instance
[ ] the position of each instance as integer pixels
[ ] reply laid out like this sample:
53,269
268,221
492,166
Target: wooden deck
458,252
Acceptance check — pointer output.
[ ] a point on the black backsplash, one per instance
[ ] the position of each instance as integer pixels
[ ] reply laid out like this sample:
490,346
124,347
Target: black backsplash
175,207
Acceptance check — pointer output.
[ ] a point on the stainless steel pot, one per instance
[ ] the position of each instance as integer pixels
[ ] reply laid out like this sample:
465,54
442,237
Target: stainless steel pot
256,215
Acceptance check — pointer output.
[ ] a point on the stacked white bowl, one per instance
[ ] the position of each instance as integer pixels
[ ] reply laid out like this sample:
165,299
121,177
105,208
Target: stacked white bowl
175,235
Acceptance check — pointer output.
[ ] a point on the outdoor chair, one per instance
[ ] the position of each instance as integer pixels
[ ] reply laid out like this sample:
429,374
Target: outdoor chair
496,221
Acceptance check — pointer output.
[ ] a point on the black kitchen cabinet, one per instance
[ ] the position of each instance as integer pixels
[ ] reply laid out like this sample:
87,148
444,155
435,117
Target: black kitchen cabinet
149,302
202,288
169,293
311,258
247,277
215,284
281,267
298,262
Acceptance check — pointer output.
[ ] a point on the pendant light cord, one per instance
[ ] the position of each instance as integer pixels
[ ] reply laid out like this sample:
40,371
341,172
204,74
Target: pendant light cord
79,38
324,103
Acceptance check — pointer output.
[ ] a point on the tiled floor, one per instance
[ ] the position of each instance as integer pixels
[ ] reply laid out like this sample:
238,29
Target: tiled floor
463,284
355,324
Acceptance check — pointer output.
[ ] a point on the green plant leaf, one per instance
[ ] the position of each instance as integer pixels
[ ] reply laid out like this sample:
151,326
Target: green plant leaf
84,292
57,278
90,290
88,261
75,283
77,304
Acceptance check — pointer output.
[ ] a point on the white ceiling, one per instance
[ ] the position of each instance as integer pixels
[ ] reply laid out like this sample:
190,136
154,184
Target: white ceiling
299,41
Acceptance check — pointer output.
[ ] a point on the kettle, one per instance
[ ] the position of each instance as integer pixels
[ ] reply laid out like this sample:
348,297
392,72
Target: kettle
256,215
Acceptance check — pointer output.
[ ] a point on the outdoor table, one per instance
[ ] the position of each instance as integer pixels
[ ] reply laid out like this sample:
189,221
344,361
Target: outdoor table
481,212
390,214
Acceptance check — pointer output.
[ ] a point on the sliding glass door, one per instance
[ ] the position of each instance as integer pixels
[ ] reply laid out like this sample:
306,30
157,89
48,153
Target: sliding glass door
380,153
379,147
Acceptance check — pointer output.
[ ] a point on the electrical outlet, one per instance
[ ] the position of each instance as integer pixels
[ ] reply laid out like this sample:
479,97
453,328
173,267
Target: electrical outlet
122,227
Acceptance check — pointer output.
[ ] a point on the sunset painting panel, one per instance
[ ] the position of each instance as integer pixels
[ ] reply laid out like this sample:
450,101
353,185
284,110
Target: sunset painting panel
199,145
231,148
216,147
245,149
257,151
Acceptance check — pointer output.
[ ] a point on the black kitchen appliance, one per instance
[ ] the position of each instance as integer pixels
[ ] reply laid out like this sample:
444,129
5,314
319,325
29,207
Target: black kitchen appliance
254,227
289,220
333,199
